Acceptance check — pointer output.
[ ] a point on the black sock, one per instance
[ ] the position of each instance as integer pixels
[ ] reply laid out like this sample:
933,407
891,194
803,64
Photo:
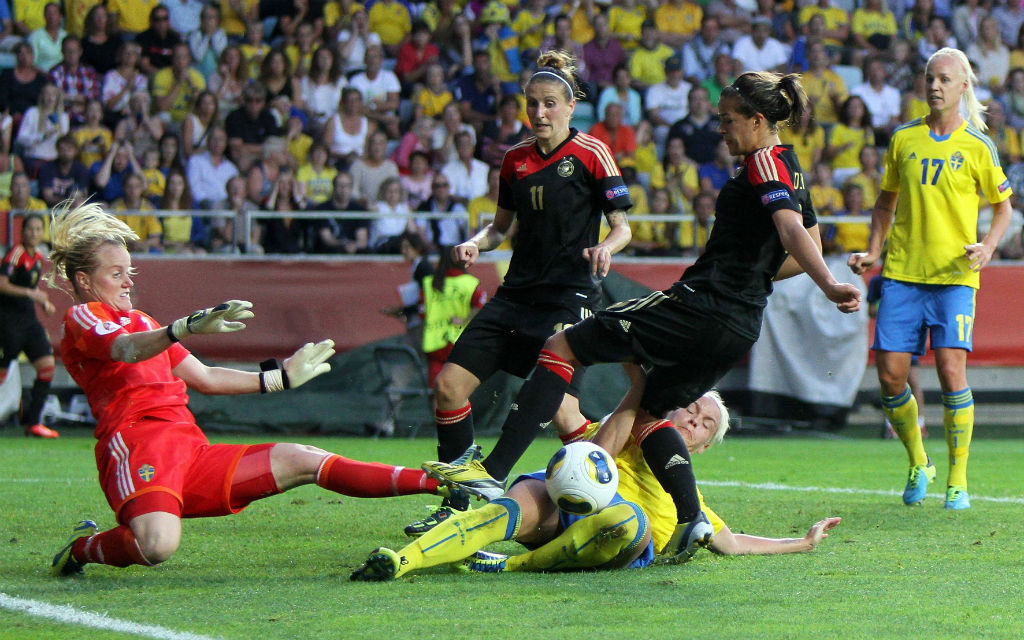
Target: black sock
666,454
534,406
454,432
37,397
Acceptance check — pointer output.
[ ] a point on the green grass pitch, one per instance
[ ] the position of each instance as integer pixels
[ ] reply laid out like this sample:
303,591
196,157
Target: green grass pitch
280,569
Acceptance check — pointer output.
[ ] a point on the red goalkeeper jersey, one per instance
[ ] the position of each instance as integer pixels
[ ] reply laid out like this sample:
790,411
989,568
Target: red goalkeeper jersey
120,392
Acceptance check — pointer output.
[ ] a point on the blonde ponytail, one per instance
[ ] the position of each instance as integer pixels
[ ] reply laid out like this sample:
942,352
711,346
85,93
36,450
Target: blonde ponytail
975,110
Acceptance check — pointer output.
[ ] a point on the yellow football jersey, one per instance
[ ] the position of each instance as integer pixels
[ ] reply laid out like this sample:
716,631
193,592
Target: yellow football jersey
638,484
938,180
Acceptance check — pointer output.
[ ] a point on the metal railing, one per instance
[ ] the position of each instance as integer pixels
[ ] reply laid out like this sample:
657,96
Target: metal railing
251,217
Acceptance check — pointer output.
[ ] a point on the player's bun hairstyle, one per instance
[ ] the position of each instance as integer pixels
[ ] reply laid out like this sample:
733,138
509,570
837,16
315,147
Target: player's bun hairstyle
779,98
559,67
76,234
975,110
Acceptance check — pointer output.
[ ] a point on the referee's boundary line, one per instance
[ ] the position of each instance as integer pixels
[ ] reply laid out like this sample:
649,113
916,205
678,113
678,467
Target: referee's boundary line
69,615
767,486
773,486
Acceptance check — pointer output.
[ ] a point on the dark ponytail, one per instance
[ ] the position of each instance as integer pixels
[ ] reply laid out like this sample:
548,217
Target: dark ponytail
779,98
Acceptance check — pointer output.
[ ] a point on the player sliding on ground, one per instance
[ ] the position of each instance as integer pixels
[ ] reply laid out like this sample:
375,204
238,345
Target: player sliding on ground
636,528
694,332
155,465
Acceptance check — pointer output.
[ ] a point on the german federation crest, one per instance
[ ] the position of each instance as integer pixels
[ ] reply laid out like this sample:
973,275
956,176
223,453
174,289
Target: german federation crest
565,168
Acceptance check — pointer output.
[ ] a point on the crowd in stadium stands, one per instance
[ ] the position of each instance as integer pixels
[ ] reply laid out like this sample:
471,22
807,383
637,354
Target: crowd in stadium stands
399,106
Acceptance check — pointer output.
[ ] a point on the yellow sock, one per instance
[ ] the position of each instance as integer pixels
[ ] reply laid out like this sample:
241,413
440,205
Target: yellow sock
958,419
901,410
462,535
590,542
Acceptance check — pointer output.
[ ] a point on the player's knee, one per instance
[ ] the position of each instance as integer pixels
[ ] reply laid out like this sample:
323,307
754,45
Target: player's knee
448,391
158,545
622,531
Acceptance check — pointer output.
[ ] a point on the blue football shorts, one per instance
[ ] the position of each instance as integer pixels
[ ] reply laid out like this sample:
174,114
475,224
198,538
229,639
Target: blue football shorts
909,312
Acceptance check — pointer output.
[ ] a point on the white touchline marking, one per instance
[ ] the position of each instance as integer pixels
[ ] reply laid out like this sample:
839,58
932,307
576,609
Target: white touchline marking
69,615
772,486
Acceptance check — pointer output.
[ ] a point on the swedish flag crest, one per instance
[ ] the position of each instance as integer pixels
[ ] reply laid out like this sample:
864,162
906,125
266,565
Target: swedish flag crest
146,472
956,160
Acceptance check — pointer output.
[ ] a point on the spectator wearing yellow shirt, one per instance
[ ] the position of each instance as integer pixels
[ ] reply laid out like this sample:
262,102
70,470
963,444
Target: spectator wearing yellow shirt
650,237
807,138
693,236
132,15
175,87
1005,137
235,14
21,198
29,16
873,28
431,98
647,66
155,180
146,227
837,22
316,176
825,197
481,209
846,237
869,179
254,50
177,229
677,21
391,21
529,24
681,174
93,138
848,137
625,20
824,87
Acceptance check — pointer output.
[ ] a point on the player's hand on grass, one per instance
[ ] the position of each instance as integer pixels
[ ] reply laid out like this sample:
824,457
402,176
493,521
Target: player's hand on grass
979,254
846,296
465,254
600,259
687,539
819,530
224,318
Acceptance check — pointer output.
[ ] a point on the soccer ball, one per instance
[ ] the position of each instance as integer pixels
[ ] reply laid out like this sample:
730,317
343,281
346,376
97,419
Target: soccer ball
582,478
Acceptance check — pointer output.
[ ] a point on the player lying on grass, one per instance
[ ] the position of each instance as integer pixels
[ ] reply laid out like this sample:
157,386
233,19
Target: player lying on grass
637,527
155,464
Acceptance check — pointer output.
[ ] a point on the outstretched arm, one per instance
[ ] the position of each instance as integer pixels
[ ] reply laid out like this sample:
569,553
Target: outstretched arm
801,246
614,433
728,543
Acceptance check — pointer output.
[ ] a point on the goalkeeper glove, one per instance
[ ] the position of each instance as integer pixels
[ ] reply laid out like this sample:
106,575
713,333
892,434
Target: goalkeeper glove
305,364
687,539
224,318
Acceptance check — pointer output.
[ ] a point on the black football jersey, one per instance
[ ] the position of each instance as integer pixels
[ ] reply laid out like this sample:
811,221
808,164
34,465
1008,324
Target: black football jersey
558,199
744,251
23,270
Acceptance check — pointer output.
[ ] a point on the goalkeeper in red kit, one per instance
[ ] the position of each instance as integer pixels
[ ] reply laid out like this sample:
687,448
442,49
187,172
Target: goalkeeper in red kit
155,464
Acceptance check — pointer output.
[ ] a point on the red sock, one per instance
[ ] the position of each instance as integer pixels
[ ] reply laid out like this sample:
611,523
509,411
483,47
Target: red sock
371,479
555,364
116,547
576,435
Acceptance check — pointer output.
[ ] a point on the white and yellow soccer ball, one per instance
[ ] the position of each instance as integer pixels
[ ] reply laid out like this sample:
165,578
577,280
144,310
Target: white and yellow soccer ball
582,478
